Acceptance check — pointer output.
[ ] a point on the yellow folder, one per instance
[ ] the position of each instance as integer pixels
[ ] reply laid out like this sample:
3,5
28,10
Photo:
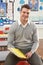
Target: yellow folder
17,52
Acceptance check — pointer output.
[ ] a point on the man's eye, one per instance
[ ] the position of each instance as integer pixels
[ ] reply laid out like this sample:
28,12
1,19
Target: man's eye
28,13
24,12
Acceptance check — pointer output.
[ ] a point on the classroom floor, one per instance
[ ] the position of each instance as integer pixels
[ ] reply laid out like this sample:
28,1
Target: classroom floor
40,49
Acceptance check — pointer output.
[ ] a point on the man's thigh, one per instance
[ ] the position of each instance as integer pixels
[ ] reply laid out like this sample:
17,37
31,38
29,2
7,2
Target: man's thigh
35,60
11,59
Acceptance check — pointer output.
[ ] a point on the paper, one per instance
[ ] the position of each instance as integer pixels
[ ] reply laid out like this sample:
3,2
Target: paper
17,52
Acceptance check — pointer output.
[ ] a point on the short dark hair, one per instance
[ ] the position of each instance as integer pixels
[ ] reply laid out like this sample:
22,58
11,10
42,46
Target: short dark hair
25,6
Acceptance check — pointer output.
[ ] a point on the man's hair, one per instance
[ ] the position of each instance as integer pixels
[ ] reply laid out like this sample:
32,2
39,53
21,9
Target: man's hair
25,6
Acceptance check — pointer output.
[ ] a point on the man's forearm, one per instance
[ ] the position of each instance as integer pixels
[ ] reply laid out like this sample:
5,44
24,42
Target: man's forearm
34,47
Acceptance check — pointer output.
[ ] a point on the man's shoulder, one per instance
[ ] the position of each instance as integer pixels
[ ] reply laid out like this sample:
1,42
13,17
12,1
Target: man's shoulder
33,25
15,23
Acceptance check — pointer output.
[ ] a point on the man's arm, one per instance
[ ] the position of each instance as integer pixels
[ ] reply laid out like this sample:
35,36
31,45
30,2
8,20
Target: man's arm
11,35
35,43
35,40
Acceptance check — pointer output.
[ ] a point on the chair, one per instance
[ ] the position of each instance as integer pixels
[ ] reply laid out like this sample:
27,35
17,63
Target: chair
23,63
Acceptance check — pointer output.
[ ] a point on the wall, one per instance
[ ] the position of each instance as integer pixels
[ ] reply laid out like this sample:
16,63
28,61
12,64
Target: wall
40,31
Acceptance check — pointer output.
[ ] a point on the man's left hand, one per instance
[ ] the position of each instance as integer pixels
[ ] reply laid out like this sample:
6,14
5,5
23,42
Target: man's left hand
29,54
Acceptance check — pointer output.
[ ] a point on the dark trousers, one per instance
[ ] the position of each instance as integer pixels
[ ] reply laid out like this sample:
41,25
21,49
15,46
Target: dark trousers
13,60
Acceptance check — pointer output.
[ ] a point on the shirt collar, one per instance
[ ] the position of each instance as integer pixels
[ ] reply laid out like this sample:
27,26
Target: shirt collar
26,23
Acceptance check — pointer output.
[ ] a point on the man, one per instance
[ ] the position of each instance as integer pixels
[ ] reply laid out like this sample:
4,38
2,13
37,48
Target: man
23,35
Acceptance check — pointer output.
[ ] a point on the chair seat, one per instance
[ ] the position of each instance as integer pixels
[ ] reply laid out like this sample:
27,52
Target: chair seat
23,63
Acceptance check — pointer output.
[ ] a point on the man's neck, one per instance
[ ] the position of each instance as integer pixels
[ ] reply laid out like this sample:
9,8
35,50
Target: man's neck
23,22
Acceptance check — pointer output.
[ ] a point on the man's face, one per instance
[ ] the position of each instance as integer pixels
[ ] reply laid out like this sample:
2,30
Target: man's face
24,14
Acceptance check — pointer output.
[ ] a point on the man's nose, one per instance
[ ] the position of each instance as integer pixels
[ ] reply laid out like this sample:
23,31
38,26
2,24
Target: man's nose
26,14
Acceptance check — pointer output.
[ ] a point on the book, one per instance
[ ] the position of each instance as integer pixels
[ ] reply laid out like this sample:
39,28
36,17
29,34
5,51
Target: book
17,52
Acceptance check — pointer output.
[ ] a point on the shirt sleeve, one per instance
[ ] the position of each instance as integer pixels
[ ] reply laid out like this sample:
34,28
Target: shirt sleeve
11,35
35,40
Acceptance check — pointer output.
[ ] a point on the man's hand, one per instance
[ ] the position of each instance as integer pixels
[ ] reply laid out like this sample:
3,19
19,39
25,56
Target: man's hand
29,54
